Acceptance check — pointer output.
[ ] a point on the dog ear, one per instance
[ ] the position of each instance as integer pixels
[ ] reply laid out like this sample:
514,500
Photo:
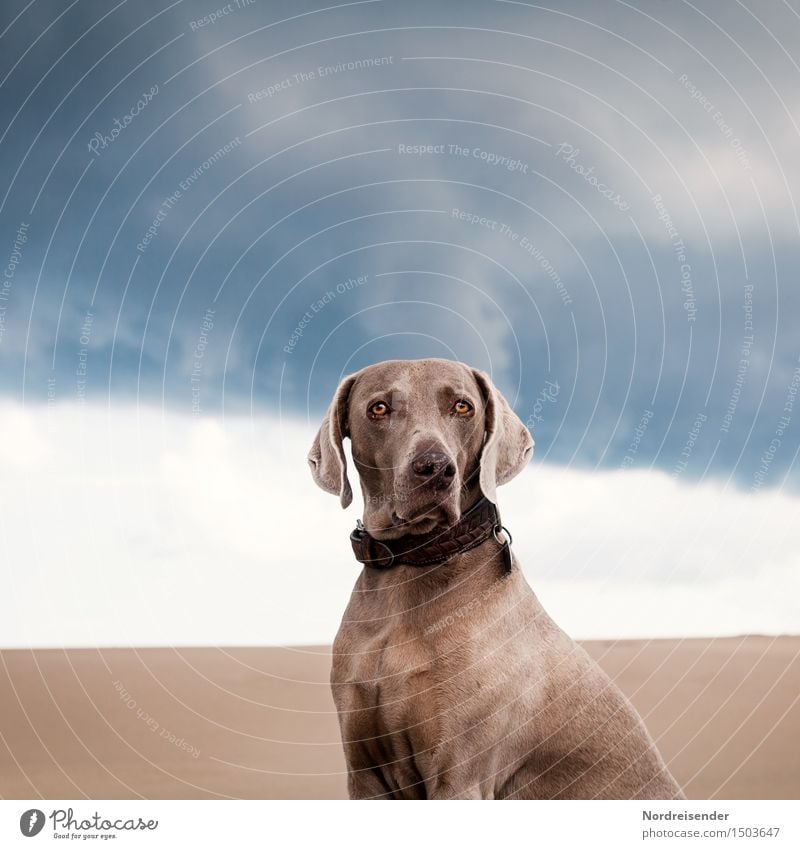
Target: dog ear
507,446
326,457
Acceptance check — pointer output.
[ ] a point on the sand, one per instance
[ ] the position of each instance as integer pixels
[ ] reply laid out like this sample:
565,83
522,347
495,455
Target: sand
260,723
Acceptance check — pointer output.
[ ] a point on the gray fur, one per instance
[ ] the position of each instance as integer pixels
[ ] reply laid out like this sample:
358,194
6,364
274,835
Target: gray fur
452,681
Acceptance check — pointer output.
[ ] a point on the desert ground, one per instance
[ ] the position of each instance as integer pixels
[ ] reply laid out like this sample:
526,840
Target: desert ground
260,723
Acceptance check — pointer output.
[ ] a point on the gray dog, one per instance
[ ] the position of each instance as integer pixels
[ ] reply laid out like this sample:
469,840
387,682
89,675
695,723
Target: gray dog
450,679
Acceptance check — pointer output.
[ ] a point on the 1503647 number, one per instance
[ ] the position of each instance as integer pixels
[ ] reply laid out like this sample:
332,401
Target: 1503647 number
757,831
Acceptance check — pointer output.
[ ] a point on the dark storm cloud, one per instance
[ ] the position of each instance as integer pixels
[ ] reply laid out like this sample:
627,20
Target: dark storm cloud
232,205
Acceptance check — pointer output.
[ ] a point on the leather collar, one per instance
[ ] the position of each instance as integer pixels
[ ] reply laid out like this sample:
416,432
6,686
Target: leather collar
478,524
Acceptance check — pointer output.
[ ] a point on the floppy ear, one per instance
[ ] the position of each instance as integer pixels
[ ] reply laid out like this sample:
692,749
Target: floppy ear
326,457
507,446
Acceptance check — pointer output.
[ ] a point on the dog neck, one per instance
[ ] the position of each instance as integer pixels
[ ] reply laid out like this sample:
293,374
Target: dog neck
476,526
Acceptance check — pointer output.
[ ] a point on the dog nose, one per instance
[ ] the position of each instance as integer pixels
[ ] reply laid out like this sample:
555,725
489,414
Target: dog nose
434,466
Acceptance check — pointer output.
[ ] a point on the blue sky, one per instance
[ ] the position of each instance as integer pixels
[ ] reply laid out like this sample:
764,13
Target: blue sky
627,175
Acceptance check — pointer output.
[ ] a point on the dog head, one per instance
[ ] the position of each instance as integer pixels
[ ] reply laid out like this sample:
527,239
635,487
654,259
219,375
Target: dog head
427,436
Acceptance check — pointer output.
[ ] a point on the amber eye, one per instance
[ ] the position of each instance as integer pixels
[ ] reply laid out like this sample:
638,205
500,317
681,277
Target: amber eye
462,407
378,410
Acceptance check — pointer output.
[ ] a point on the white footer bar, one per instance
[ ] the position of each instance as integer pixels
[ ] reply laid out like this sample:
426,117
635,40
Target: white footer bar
415,825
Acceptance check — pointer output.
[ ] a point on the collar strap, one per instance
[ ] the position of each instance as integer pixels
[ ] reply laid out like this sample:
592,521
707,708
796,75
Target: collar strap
478,524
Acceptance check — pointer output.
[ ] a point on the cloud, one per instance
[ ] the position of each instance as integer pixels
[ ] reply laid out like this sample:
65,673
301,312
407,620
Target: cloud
652,99
132,526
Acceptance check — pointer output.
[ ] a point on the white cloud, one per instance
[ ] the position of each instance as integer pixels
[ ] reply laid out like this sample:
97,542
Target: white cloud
134,527
638,553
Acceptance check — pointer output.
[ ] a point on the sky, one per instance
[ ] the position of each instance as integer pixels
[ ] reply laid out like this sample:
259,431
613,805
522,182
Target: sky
134,527
210,213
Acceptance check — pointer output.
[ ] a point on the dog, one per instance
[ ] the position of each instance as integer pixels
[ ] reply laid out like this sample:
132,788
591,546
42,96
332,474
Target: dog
449,678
